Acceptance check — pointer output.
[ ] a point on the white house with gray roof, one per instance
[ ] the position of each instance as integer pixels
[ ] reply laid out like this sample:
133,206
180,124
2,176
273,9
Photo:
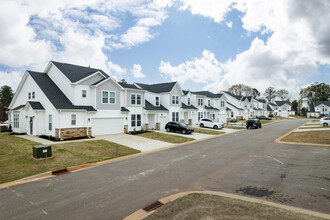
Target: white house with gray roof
69,100
318,109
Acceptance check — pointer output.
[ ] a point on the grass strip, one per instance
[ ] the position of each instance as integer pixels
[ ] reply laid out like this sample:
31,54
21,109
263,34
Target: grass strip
16,160
208,131
166,137
312,137
204,206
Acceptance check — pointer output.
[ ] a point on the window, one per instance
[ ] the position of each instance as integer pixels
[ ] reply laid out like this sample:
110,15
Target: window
16,120
200,115
175,99
136,120
222,103
283,108
108,97
189,101
50,122
209,102
138,100
73,119
157,101
33,95
200,102
135,99
175,116
83,93
232,114
29,95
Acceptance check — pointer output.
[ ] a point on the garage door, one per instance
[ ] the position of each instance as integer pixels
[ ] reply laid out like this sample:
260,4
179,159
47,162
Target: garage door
101,126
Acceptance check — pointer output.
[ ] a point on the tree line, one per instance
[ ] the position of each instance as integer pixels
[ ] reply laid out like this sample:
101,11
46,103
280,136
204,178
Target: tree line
270,93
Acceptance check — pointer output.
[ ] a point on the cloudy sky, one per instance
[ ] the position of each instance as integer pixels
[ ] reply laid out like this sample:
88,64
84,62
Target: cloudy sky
209,44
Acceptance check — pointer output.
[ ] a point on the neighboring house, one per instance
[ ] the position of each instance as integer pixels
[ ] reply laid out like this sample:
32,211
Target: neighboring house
163,103
211,106
318,109
260,106
234,107
280,108
67,101
190,112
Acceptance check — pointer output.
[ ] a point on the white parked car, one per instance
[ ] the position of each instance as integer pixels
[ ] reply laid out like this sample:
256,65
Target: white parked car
204,122
325,121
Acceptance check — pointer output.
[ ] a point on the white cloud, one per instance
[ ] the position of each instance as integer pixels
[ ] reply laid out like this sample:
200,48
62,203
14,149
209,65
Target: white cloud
229,24
213,9
200,70
137,71
115,70
11,79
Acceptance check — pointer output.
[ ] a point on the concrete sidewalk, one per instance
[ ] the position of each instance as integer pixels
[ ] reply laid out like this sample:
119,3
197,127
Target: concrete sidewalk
134,141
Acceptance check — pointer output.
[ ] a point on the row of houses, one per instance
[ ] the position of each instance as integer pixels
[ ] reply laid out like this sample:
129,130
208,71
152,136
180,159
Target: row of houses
318,109
68,101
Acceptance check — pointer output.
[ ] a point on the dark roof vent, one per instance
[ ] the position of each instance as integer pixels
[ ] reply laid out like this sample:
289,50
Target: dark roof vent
123,81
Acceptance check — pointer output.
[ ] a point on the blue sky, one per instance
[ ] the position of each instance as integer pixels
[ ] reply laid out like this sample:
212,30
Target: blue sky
205,45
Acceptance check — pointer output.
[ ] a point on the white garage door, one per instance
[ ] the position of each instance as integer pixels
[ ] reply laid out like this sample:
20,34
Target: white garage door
101,126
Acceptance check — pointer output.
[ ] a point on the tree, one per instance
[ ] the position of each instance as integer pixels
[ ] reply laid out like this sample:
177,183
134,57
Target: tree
282,94
270,94
6,95
294,106
245,90
237,89
316,92
255,93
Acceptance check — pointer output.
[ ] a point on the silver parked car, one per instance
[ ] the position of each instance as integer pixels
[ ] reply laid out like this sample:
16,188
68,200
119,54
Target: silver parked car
325,121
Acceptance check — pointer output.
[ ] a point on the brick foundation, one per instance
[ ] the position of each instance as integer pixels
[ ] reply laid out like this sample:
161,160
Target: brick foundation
146,127
126,129
190,122
66,133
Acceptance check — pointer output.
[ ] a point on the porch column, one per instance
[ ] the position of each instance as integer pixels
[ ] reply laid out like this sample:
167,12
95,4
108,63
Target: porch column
147,123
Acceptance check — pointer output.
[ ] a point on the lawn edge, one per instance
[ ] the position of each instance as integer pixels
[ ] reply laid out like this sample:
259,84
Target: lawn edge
141,214
278,140
81,167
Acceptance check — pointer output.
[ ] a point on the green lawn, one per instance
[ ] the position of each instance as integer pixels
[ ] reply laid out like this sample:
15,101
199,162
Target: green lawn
234,127
16,156
166,137
208,131
203,206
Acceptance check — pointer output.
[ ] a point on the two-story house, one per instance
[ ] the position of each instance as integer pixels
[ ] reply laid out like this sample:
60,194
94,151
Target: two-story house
68,100
318,109
163,103
189,111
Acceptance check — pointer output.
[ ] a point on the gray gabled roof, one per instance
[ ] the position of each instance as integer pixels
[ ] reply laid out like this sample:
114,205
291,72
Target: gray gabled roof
327,103
185,92
98,82
129,86
123,109
17,108
205,93
228,109
311,107
269,108
234,106
36,105
249,98
261,100
280,103
54,94
238,97
151,107
158,88
75,72
211,108
272,104
184,106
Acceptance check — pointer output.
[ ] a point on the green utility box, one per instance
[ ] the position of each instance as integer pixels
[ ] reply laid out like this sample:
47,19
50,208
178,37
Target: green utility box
42,151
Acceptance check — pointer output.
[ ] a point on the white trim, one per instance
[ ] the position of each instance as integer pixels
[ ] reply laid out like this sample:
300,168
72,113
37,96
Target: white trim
177,84
175,100
87,77
136,94
107,79
109,91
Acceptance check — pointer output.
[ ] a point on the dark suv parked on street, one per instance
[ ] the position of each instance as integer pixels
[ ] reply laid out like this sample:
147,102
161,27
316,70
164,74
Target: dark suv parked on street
253,123
178,127
262,117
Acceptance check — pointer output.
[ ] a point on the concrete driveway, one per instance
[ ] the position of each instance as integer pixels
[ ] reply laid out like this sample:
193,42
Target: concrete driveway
134,141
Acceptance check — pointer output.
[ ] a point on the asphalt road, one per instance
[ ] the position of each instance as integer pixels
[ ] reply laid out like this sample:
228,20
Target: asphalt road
247,162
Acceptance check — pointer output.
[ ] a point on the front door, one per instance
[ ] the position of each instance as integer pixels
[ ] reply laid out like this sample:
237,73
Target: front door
31,125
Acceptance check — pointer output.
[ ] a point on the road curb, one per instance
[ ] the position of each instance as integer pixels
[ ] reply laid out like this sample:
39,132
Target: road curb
141,213
48,174
278,140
